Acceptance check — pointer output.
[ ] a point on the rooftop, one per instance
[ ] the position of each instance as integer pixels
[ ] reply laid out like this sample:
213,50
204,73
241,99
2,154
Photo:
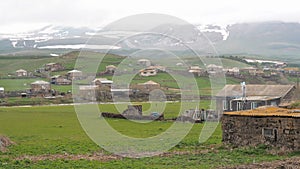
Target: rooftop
40,82
73,71
21,70
256,90
250,98
267,112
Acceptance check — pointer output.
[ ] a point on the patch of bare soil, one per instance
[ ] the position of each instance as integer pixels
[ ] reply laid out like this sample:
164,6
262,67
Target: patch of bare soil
291,163
4,143
101,156
96,157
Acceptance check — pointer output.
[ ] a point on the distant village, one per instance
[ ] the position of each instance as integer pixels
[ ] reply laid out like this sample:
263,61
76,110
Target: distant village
102,89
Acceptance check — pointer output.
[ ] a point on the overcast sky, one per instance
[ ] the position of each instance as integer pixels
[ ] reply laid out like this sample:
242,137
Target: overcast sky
24,15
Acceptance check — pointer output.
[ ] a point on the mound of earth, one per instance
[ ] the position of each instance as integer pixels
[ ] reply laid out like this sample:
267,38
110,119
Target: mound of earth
4,143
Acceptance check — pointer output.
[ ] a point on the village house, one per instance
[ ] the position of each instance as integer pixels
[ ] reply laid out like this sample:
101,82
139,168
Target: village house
148,86
144,62
148,72
52,67
213,69
271,126
102,83
197,71
74,75
21,73
110,69
231,97
40,86
235,71
60,80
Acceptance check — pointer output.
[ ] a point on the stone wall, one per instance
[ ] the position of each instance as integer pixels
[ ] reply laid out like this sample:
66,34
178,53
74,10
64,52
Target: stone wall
279,132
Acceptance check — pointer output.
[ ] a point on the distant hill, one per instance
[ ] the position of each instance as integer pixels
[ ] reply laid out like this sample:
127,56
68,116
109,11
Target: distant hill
276,40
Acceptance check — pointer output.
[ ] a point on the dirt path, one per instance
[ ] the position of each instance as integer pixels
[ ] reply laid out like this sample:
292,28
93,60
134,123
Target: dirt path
291,163
97,157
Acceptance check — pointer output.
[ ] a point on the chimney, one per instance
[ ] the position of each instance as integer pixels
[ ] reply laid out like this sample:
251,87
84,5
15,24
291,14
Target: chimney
243,85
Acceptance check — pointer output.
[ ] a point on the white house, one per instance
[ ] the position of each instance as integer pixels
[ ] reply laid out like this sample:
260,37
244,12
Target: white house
148,72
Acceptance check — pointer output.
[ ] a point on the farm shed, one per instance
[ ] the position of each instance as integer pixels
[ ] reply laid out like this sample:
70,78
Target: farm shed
270,126
21,72
40,86
230,98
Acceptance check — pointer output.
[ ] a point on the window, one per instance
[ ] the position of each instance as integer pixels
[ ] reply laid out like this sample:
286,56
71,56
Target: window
273,103
270,133
225,107
239,106
253,105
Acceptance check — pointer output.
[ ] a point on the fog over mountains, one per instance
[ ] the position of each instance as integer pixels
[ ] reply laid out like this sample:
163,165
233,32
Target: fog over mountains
270,39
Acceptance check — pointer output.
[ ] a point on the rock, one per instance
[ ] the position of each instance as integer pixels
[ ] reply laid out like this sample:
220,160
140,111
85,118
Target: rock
4,143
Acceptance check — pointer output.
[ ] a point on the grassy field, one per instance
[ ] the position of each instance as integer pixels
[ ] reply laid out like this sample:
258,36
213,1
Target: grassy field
55,130
23,84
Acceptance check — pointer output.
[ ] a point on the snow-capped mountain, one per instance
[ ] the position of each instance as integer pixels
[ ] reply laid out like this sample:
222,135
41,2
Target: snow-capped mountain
49,34
58,35
264,38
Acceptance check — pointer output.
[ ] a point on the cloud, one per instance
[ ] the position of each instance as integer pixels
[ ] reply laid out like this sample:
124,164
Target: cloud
97,13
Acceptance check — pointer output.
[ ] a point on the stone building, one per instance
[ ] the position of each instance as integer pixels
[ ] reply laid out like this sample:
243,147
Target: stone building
272,126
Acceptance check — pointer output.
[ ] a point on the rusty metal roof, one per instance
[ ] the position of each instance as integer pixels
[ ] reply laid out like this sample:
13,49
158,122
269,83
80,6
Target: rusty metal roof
255,90
267,111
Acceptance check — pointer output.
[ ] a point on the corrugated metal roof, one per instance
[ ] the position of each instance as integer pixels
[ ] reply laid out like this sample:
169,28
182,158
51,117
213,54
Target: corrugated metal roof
267,112
252,98
256,90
